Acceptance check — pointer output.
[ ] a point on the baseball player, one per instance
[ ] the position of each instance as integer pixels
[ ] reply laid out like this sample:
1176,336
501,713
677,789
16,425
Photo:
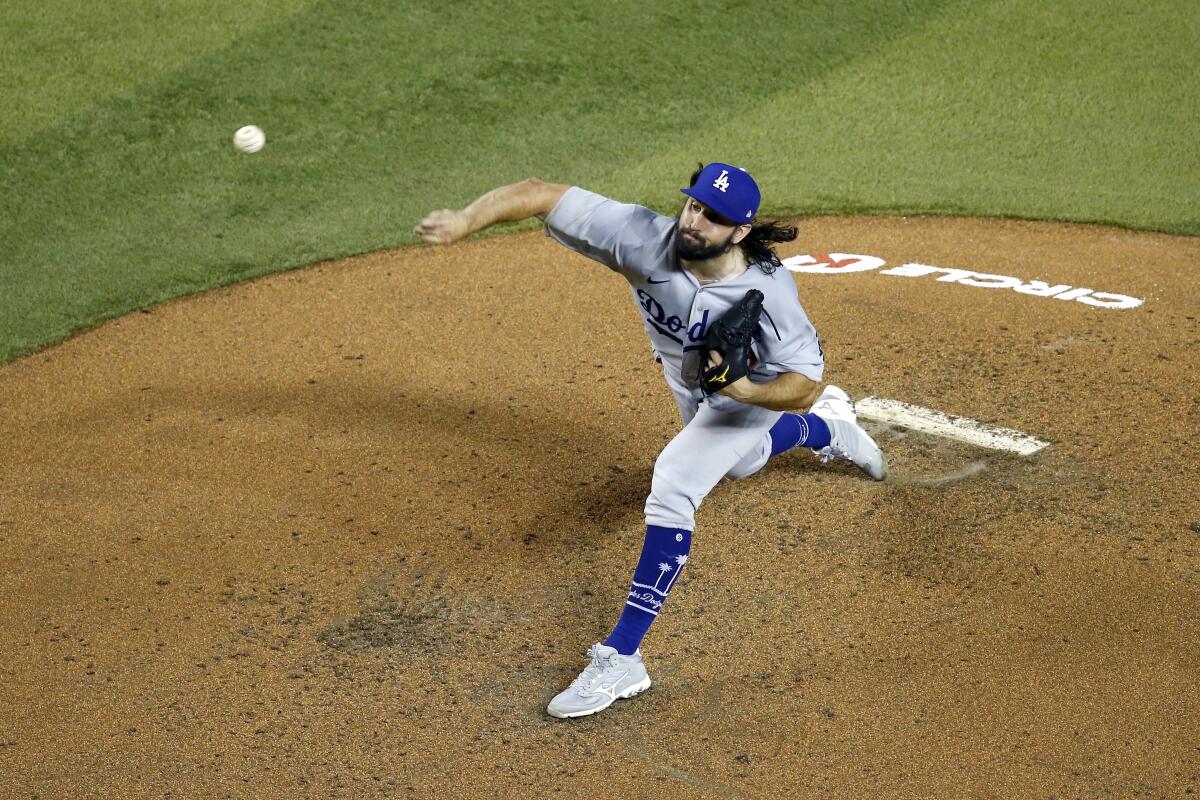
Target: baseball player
737,352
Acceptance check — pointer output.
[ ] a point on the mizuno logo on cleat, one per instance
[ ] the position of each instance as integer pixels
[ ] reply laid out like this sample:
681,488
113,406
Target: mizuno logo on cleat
611,689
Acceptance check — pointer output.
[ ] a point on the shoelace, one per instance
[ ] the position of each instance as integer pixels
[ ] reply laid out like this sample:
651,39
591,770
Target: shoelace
831,453
591,671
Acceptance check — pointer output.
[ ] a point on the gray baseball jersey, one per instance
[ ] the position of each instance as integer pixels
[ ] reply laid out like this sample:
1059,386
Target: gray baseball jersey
721,436
675,308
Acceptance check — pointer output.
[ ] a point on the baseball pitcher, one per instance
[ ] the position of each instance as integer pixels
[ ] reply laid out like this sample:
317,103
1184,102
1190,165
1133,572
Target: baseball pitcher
737,351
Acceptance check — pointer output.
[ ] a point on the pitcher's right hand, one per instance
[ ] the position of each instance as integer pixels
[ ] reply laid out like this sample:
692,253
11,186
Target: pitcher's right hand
443,227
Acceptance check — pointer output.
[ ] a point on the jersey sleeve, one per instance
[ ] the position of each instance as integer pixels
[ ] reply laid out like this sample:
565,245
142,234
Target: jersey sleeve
629,239
789,341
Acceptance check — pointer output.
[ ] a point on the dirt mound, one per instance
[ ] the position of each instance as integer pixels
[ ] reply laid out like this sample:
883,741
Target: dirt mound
344,531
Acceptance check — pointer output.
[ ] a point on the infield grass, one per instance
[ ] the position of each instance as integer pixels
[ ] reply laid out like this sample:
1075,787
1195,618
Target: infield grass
120,188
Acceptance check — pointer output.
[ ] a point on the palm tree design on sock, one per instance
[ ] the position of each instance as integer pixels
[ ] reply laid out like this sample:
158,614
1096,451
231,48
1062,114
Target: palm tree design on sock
665,569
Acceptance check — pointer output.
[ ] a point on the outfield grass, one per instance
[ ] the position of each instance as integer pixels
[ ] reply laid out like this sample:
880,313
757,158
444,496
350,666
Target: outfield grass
61,56
120,187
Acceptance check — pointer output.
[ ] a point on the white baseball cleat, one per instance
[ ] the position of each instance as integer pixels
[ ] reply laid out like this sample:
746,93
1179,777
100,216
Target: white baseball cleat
608,678
848,440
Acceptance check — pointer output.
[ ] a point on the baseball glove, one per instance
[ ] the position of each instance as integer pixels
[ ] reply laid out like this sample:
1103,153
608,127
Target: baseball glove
731,336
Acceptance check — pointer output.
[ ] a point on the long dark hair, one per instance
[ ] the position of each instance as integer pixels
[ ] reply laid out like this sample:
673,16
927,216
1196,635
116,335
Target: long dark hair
759,244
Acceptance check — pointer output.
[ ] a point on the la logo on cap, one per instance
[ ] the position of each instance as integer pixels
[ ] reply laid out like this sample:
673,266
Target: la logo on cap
730,199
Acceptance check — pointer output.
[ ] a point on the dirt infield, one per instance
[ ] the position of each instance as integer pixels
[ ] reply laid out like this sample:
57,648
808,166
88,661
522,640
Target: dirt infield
288,540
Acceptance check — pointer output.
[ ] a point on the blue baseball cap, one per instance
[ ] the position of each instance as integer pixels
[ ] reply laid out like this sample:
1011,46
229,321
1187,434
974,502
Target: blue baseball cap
727,190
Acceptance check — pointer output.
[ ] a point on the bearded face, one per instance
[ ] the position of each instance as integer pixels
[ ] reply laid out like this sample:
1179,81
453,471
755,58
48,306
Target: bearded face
693,246
703,234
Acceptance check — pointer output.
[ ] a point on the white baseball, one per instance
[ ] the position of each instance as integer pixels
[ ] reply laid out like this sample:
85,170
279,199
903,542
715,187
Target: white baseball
249,139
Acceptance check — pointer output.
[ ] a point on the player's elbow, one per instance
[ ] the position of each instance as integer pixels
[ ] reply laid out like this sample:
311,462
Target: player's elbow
534,187
813,392
543,196
803,390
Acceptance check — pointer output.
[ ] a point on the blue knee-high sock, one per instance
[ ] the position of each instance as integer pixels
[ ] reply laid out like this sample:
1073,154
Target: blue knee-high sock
793,430
664,553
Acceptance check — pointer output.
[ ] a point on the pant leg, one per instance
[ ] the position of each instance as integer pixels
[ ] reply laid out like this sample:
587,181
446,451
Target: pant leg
755,460
686,405
710,445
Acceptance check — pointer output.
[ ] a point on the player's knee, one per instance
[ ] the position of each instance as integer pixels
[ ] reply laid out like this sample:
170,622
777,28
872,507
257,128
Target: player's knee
746,467
752,462
739,472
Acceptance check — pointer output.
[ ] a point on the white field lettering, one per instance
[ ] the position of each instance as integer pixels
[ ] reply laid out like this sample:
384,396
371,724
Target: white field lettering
841,263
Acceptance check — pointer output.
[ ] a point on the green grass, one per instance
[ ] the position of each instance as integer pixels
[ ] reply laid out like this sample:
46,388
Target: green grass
119,187
1075,111
61,56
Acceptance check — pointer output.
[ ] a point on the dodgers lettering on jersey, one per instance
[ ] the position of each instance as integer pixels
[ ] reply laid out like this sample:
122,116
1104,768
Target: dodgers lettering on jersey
676,310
